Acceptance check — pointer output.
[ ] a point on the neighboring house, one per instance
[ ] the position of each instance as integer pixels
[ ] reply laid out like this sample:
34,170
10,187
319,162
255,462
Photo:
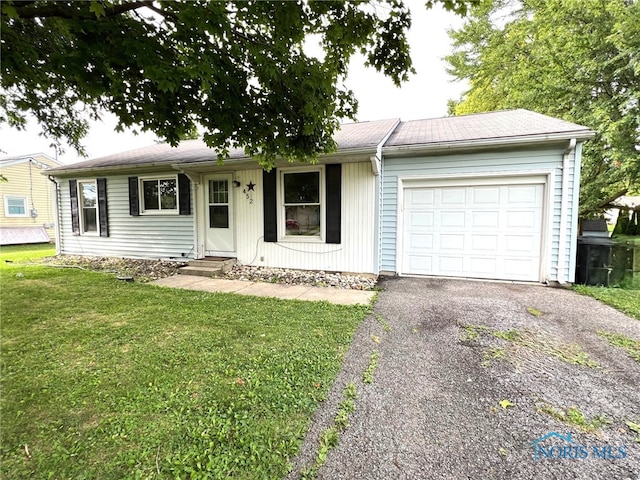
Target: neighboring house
490,195
28,204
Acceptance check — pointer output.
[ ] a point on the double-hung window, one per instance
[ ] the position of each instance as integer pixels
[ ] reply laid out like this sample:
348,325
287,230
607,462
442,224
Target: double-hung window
15,206
159,195
88,196
302,209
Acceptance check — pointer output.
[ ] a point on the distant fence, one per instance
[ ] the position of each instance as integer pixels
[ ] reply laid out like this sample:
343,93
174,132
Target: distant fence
625,264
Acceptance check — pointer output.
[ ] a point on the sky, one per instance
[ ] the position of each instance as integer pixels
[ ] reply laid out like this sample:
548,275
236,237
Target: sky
425,95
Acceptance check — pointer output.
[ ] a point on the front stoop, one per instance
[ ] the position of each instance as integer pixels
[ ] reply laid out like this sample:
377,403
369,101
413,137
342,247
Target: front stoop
208,266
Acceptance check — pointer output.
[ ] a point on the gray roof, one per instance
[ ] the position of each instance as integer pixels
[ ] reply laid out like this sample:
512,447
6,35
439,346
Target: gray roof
482,126
350,137
364,137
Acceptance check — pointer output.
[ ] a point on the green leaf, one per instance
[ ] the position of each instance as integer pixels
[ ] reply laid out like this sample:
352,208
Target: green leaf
97,8
506,404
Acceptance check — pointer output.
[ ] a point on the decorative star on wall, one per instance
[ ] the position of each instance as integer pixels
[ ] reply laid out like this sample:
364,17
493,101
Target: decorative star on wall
250,185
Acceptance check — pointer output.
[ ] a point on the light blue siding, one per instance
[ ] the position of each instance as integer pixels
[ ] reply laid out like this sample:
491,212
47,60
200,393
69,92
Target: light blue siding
501,163
144,236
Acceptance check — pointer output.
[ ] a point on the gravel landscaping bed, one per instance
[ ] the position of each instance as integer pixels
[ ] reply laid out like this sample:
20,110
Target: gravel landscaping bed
147,270
300,277
140,270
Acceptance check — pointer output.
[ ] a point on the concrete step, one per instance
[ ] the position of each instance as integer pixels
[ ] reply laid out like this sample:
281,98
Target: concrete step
220,263
200,271
208,266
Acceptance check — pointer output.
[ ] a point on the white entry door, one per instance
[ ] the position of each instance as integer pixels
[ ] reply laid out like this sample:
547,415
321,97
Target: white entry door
489,230
220,236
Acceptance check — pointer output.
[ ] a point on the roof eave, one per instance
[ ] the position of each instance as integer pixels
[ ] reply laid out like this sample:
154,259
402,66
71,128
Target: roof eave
521,140
231,162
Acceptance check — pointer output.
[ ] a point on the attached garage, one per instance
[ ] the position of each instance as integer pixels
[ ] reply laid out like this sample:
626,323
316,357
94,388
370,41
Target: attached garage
487,196
481,228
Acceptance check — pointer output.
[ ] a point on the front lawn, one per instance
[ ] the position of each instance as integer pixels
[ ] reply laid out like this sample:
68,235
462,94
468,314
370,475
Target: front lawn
107,379
24,253
625,300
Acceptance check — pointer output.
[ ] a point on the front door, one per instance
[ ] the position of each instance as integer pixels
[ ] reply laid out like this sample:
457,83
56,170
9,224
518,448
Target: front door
220,236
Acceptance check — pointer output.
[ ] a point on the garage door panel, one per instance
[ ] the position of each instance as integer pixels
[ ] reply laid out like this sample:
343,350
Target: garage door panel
484,243
484,265
422,197
450,241
421,264
450,263
519,268
453,196
421,219
485,219
486,195
453,219
524,195
526,219
421,241
494,231
520,243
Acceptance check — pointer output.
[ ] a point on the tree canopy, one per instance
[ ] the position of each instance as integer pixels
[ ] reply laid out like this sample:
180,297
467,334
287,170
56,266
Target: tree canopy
574,59
240,71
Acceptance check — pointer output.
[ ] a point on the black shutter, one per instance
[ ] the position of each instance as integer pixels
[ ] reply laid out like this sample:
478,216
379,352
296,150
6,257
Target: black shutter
103,213
270,204
334,202
184,194
134,199
75,214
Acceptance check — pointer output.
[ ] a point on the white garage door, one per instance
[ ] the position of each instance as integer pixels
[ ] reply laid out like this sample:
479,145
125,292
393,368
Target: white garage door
490,229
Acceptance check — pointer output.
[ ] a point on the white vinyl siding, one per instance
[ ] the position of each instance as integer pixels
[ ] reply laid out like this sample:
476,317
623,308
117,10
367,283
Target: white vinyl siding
491,163
145,236
355,253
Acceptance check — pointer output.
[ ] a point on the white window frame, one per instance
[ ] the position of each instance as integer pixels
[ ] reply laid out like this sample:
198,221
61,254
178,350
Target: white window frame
282,229
81,208
160,210
25,201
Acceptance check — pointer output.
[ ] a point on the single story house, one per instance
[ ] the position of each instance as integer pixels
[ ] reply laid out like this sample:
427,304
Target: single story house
27,214
491,195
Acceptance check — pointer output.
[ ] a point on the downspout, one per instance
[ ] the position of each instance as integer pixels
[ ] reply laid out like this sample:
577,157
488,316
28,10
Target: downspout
378,170
56,215
564,205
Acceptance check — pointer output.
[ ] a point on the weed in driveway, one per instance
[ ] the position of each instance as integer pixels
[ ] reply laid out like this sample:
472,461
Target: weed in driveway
574,417
330,436
629,345
367,376
534,311
494,353
534,341
382,321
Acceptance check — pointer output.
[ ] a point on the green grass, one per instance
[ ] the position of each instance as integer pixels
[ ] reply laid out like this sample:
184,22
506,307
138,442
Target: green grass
107,379
24,253
629,345
627,301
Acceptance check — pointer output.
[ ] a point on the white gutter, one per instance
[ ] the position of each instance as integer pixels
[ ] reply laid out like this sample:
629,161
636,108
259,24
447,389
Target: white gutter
376,160
487,142
56,213
563,210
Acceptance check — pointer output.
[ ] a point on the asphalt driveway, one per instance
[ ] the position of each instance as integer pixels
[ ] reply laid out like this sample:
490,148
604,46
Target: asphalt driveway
449,352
